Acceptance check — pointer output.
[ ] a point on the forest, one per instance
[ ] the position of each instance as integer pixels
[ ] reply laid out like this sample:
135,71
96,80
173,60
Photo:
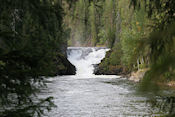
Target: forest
139,33
34,36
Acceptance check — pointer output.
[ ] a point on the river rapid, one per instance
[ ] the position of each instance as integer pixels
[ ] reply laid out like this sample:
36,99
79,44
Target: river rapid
89,95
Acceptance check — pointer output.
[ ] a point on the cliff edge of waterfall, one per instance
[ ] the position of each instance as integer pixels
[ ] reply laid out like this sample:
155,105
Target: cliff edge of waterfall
64,67
108,67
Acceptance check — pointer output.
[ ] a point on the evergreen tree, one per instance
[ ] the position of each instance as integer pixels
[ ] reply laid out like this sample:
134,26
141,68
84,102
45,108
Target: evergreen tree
31,38
93,23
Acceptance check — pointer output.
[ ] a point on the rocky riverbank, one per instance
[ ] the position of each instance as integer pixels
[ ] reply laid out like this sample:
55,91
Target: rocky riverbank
64,67
110,70
109,67
138,75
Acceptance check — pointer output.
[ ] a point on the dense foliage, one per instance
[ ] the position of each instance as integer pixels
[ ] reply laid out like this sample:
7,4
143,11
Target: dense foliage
92,23
161,39
32,41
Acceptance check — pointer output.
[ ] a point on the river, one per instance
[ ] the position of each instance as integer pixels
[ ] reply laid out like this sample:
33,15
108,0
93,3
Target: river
88,95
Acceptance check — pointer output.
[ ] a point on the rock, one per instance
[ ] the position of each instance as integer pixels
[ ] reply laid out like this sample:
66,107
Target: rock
111,70
64,67
105,68
171,84
138,75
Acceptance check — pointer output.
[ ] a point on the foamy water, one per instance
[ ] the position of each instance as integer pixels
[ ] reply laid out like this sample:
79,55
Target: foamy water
84,60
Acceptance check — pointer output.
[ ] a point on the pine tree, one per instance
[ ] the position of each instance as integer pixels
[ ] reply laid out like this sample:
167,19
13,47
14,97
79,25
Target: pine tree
31,36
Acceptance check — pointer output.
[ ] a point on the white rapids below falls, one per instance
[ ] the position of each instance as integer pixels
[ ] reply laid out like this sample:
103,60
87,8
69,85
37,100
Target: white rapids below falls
89,95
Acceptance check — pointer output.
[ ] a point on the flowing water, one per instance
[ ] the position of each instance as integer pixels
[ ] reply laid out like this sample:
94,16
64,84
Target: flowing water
88,95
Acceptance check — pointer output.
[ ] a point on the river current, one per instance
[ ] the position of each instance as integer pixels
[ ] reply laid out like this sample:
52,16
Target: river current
88,95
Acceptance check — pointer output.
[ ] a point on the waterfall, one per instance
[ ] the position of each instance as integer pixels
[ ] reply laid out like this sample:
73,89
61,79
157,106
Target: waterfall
84,59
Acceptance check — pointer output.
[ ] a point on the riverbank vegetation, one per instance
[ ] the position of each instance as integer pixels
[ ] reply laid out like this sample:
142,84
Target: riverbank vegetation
32,46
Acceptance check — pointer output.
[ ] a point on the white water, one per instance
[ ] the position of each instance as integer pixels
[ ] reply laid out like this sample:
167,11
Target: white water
84,62
84,59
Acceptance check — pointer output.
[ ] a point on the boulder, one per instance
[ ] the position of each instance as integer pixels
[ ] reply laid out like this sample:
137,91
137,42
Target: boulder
64,67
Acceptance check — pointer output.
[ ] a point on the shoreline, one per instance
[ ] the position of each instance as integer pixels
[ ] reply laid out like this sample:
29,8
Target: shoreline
137,76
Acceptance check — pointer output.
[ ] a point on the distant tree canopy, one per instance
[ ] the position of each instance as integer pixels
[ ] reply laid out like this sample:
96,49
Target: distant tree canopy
92,22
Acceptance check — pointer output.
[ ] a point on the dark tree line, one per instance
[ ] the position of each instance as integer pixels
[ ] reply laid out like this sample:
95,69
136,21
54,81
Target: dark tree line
31,40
